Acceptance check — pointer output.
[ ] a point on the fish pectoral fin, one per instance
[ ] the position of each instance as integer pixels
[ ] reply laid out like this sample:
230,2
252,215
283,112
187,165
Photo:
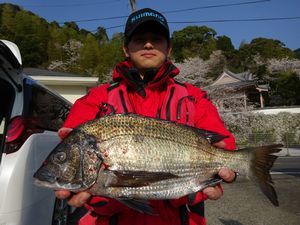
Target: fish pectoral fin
138,178
139,205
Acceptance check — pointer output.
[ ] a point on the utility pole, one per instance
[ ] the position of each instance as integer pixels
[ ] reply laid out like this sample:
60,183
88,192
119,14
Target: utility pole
133,5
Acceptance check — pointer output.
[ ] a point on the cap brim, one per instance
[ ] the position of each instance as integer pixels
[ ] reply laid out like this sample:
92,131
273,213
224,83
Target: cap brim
135,26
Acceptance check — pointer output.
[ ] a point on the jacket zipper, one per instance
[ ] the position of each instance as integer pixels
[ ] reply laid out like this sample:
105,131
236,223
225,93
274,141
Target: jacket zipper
179,105
123,101
168,108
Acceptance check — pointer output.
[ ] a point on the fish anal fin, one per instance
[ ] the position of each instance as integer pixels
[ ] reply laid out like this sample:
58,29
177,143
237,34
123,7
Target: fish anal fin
213,182
138,178
139,205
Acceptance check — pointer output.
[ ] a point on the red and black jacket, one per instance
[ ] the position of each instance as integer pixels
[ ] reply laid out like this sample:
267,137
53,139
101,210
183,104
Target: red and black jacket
158,95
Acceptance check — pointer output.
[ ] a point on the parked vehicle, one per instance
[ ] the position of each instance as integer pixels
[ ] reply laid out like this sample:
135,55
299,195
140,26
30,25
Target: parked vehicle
30,115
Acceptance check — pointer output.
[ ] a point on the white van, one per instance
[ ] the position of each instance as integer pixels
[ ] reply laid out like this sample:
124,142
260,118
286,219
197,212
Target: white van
30,115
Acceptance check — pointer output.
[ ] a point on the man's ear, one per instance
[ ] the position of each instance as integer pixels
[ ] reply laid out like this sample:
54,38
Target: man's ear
126,51
169,50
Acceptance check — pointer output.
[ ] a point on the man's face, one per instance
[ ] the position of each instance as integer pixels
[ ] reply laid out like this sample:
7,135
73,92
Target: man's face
147,50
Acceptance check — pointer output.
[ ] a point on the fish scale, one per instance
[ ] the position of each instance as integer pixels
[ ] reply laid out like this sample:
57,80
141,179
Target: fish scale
120,125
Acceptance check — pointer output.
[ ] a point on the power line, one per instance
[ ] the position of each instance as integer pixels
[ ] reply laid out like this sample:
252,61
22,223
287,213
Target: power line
176,11
90,20
238,20
216,6
223,21
108,28
73,4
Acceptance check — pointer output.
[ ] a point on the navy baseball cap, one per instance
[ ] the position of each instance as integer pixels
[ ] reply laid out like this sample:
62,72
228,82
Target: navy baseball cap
143,16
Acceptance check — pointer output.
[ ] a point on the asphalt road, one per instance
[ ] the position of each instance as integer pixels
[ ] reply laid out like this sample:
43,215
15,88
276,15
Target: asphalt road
244,204
289,165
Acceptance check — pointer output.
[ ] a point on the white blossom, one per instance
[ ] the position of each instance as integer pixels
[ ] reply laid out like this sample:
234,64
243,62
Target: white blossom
72,49
194,70
282,65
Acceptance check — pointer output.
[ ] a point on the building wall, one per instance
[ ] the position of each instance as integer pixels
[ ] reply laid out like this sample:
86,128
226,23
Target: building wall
279,110
71,93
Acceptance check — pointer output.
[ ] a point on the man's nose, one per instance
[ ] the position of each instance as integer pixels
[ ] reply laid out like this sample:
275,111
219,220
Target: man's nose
148,45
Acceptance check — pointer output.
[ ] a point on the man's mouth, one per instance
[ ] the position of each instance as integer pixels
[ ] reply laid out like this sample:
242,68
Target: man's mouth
148,55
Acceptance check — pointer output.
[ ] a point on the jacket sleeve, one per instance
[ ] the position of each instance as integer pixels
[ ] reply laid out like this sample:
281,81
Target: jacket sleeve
86,107
208,118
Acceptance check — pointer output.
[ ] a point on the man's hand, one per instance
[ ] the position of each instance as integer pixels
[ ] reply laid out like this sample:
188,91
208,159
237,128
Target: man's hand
76,200
64,132
216,192
226,174
220,144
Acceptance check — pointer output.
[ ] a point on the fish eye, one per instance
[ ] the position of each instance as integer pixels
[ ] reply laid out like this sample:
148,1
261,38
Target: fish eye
59,157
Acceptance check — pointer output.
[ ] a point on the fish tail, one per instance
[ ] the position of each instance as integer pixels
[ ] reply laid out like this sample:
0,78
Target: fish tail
261,164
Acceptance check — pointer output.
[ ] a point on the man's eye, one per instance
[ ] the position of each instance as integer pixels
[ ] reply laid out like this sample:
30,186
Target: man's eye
157,39
138,40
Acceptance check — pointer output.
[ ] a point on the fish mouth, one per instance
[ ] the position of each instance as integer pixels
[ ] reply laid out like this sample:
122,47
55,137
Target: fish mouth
56,185
44,178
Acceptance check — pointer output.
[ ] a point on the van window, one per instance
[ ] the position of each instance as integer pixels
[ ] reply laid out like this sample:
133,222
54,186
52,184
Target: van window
2,122
43,108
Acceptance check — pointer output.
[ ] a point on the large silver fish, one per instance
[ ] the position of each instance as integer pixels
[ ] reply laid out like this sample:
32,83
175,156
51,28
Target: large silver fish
135,157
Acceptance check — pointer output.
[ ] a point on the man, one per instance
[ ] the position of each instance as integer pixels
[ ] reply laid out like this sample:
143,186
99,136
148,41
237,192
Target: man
144,84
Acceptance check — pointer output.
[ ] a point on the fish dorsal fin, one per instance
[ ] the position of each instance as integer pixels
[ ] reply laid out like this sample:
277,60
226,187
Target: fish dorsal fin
210,136
136,178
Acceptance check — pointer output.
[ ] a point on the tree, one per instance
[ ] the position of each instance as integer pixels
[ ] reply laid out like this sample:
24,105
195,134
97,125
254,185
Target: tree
71,31
89,55
201,72
266,48
70,64
254,56
56,40
285,89
31,35
193,70
297,53
7,21
193,41
101,36
224,43
110,54
276,66
71,25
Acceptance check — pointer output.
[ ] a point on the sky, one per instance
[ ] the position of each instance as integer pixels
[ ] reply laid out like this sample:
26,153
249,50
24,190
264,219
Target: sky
224,16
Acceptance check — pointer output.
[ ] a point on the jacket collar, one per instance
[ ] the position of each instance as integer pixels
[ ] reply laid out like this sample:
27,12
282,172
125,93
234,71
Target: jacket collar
125,72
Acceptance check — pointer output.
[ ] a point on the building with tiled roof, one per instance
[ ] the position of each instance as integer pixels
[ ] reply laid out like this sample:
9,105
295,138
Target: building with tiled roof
244,85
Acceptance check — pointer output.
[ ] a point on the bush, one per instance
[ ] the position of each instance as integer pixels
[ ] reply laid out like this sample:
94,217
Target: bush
258,129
